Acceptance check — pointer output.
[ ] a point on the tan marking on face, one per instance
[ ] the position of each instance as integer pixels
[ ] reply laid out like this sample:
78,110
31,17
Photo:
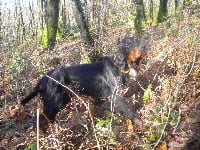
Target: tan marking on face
136,53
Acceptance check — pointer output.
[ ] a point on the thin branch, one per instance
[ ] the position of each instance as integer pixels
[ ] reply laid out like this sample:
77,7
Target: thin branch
171,96
87,106
193,62
170,50
38,133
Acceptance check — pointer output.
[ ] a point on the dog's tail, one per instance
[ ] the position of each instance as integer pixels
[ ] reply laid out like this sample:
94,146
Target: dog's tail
37,89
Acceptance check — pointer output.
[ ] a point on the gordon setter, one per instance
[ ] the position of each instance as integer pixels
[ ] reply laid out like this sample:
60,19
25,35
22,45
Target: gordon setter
97,80
132,49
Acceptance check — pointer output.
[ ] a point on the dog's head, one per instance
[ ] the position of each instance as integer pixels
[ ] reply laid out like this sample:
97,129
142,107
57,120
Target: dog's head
131,48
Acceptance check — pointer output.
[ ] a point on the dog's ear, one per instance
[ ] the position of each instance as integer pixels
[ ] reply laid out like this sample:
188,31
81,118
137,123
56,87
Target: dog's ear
118,57
142,47
119,61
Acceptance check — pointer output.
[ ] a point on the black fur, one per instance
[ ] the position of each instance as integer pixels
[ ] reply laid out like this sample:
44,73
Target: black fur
97,80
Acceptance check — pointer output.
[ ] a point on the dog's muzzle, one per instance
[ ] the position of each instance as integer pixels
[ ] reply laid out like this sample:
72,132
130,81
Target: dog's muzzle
131,72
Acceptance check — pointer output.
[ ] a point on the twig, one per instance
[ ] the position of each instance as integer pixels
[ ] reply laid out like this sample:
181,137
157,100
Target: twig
112,106
171,49
87,106
169,101
38,144
66,88
174,91
193,62
2,146
179,119
140,86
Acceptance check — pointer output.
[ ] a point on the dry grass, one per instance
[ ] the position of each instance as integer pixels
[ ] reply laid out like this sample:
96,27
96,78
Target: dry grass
168,118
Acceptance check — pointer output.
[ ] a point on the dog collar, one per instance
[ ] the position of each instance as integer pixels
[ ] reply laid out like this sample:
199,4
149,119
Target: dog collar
125,71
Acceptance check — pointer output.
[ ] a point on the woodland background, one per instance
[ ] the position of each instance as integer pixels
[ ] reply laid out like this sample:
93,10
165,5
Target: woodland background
36,36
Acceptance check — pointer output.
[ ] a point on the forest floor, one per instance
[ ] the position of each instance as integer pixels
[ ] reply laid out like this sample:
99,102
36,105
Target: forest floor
165,96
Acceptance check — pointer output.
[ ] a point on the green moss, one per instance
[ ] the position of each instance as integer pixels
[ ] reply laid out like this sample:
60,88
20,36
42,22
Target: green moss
51,33
163,11
43,40
60,33
137,18
187,2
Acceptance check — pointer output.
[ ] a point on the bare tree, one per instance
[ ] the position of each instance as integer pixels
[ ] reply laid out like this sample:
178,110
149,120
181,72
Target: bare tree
140,15
52,22
179,6
162,13
1,38
83,25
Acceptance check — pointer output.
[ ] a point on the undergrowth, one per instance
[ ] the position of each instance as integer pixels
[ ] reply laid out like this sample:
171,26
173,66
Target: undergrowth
164,97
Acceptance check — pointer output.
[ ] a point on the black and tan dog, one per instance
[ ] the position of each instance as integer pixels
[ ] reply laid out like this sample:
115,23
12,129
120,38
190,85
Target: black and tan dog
132,49
97,80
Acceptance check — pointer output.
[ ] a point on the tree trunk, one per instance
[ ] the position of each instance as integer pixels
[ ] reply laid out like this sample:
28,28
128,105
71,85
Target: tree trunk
162,13
178,6
83,26
137,15
82,23
52,22
140,18
1,22
101,21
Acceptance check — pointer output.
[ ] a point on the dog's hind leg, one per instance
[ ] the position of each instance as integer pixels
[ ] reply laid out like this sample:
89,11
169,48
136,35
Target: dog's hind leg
37,89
